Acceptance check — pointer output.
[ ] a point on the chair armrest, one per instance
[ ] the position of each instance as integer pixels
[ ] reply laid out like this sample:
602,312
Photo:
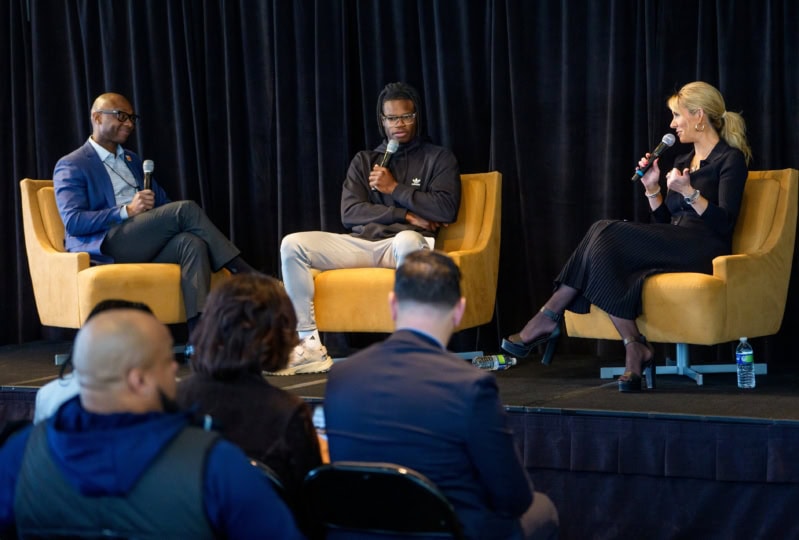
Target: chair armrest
480,269
54,275
757,290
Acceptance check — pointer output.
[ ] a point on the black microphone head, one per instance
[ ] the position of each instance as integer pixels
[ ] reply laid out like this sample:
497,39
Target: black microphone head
149,166
668,139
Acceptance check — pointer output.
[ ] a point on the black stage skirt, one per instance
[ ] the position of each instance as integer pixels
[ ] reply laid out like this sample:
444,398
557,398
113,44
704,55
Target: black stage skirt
609,266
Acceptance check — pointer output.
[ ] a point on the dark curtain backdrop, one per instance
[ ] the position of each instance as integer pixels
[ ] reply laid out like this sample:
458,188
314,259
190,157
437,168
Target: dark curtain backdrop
254,109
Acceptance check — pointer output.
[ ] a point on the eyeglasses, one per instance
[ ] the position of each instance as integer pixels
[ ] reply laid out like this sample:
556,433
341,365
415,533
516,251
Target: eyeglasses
406,119
122,116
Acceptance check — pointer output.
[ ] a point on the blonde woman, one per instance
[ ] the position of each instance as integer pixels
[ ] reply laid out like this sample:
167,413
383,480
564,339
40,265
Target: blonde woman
693,219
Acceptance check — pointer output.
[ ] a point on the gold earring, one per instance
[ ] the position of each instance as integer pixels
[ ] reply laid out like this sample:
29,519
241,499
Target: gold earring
696,127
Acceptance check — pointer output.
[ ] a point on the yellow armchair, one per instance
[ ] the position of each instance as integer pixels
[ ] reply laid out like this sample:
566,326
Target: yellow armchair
66,287
356,299
745,295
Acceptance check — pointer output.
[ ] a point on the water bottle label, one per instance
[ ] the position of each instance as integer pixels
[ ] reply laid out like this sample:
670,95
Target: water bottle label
494,362
744,358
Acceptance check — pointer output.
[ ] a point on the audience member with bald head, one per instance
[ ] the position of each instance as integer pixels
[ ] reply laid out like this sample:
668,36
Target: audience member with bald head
124,363
109,212
118,459
55,393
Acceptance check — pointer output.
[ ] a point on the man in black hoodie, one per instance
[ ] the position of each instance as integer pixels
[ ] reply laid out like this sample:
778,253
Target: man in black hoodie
392,207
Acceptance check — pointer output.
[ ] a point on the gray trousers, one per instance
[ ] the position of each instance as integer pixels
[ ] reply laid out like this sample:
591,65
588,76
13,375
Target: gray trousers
299,252
177,232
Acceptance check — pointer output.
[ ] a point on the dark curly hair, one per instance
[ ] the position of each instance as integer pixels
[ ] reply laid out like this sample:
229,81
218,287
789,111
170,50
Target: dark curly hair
399,90
248,326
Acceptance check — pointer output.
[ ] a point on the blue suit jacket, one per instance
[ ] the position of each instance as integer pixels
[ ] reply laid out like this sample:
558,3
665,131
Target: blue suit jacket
85,198
409,402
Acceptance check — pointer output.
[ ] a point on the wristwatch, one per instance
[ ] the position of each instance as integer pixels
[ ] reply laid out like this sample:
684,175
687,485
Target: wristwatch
691,199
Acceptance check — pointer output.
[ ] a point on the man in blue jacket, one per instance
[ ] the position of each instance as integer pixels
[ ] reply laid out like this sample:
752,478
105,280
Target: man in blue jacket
107,211
409,401
119,460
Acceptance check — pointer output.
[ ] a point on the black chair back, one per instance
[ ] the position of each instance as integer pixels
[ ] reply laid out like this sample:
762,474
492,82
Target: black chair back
378,498
272,476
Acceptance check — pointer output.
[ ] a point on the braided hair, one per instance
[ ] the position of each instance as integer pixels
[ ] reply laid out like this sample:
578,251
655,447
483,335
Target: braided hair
399,90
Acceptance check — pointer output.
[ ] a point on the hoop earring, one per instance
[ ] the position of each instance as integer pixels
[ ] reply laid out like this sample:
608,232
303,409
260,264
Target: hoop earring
696,127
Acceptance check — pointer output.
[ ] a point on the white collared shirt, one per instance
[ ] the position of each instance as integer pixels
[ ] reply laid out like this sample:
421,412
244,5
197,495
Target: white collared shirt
121,177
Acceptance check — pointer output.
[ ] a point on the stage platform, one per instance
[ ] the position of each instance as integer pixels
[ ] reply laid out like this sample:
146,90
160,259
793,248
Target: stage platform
570,385
682,461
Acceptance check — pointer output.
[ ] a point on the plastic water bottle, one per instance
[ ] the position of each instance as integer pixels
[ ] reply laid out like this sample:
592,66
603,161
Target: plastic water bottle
745,360
318,420
494,362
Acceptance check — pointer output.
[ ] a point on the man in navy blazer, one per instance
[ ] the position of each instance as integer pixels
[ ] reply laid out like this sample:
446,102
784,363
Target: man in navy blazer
409,401
108,213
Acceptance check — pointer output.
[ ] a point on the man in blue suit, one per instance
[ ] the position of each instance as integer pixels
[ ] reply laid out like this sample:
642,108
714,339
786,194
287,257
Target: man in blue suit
108,213
409,401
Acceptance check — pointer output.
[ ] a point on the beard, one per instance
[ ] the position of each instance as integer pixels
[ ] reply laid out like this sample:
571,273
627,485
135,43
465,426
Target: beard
168,405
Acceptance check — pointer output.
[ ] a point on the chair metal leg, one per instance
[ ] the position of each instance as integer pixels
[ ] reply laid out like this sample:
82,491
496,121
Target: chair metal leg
684,367
62,358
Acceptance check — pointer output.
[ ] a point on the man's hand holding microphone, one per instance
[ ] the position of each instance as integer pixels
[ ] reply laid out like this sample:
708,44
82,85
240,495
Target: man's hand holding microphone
143,200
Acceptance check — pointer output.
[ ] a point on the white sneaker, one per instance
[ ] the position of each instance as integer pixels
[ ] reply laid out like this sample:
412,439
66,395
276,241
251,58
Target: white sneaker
310,356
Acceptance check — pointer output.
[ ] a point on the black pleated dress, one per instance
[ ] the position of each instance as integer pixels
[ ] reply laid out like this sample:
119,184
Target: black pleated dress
610,264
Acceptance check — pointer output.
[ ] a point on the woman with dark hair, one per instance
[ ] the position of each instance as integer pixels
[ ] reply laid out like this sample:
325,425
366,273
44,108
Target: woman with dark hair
248,327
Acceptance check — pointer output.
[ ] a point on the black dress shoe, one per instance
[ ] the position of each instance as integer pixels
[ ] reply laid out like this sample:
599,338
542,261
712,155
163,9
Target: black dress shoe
521,349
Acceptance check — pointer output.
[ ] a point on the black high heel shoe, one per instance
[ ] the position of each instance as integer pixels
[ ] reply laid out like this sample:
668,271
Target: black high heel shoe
518,348
631,382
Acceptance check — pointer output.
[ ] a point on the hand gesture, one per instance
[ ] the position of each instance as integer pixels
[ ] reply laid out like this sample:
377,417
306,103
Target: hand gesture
679,181
143,200
650,177
381,179
422,223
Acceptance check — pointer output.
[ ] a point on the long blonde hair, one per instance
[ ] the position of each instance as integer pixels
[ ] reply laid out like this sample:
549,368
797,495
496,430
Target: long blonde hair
730,125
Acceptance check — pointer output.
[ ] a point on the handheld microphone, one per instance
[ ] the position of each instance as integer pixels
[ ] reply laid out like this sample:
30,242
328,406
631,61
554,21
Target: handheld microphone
391,147
148,167
667,140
